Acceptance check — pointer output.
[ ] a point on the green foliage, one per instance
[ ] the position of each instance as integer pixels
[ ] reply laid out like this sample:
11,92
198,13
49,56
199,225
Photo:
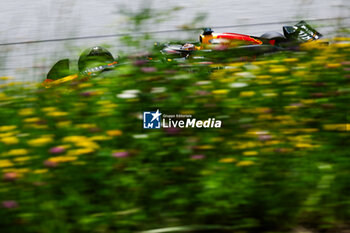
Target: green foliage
74,158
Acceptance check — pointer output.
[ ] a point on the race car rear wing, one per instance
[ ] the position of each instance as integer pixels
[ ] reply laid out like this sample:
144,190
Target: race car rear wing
301,32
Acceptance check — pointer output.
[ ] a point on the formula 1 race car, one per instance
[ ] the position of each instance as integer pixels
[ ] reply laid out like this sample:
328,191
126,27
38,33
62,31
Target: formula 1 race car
245,45
96,60
91,62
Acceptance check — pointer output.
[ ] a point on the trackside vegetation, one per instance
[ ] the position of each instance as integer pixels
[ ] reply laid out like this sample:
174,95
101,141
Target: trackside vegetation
75,157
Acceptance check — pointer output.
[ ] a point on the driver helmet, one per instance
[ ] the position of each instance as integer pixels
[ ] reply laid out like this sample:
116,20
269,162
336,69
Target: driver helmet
188,47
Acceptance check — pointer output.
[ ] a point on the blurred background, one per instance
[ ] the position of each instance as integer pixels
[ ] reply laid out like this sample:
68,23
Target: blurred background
74,158
34,35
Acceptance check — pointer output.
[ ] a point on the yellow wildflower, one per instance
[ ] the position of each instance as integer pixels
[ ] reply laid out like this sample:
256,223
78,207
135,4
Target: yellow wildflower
283,117
267,150
5,163
87,144
100,138
65,146
263,76
62,159
247,93
294,59
291,107
289,81
31,120
205,147
104,102
7,128
256,132
235,64
289,131
245,145
264,82
290,93
278,70
79,105
227,80
17,152
22,170
8,134
40,171
272,142
9,140
104,111
35,126
63,124
307,101
56,114
221,92
261,110
304,145
250,153
341,45
337,127
227,160
42,141
217,139
280,78
32,99
338,38
100,91
300,73
309,130
244,163
110,106
312,45
333,65
270,94
265,117
86,126
321,58
114,132
49,109
132,100
74,138
3,96
26,112
22,159
84,85
81,151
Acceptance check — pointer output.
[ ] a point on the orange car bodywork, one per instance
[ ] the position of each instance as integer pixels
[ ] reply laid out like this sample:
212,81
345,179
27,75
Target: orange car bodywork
230,39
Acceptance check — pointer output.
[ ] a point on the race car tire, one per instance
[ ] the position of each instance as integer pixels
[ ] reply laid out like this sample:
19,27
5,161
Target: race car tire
276,36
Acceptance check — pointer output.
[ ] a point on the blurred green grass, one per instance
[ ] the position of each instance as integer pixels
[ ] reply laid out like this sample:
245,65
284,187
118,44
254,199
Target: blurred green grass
74,158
